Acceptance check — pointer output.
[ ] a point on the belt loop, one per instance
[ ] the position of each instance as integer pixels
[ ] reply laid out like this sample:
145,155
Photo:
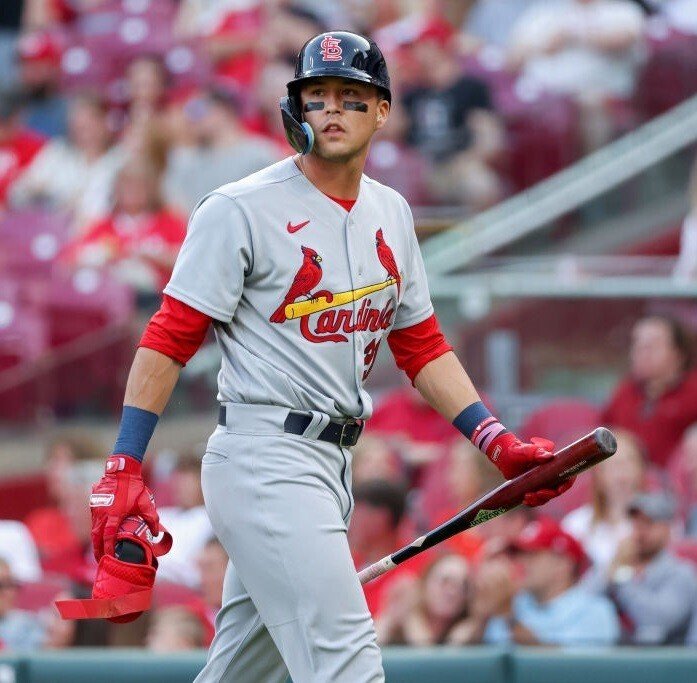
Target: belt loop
317,424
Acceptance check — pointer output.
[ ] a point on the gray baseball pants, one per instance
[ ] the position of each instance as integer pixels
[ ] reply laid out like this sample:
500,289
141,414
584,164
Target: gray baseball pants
292,603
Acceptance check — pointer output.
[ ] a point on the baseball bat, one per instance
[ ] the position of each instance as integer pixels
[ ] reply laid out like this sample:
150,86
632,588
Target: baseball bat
566,463
300,308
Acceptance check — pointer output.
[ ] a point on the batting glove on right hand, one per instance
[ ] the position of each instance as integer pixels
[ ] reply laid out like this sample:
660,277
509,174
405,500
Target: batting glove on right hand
513,457
119,494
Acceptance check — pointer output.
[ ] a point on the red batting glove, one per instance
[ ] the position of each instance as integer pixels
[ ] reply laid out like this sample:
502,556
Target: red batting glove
513,457
118,494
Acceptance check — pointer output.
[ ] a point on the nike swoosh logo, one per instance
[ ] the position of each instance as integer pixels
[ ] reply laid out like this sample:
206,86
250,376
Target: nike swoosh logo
294,228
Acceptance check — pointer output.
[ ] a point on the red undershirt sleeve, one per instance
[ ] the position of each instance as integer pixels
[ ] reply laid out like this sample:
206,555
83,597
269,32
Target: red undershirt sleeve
415,346
177,330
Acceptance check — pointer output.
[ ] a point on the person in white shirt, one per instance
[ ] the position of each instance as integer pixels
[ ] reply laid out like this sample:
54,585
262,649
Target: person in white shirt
579,47
604,523
18,549
76,173
187,519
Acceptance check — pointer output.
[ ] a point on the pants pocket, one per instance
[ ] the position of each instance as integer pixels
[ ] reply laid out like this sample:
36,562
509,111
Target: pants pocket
214,458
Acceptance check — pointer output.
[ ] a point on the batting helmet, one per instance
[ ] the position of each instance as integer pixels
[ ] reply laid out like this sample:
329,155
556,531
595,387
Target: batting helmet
338,53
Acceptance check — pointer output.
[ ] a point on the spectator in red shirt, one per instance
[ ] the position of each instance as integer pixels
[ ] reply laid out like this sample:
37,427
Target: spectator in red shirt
658,401
374,533
18,145
464,476
139,240
51,526
411,426
232,33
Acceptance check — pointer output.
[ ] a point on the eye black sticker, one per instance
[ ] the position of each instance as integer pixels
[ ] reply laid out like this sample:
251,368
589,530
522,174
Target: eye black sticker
356,106
313,106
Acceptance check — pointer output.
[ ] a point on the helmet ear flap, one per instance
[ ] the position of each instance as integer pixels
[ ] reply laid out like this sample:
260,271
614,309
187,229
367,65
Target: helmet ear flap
298,132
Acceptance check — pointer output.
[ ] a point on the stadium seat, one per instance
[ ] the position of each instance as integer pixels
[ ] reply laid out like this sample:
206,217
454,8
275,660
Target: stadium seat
186,65
28,224
83,67
543,138
79,303
28,259
21,494
23,335
562,420
669,75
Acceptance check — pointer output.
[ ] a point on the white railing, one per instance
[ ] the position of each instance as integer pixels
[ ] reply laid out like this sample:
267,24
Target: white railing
562,277
565,191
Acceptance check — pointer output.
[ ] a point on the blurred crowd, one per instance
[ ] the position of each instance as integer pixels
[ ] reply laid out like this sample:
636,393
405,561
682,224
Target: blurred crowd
117,116
121,114
613,561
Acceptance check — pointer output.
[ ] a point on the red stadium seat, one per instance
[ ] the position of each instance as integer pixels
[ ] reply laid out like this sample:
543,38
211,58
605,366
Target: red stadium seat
19,495
84,66
543,138
28,224
561,421
23,335
669,75
79,303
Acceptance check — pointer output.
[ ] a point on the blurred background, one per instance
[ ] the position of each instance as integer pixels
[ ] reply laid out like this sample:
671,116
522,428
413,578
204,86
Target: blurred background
547,148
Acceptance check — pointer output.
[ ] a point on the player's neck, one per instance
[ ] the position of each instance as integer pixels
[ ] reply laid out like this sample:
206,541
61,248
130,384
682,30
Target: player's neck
336,179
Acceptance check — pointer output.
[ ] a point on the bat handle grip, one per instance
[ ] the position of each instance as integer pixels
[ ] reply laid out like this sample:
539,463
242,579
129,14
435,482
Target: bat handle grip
376,569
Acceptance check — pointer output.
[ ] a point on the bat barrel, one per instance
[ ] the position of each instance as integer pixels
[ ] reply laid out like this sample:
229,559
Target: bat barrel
568,462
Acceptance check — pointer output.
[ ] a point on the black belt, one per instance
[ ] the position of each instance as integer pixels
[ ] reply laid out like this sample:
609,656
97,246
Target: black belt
343,433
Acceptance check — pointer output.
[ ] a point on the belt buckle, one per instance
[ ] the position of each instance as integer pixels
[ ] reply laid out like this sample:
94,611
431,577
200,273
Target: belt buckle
350,441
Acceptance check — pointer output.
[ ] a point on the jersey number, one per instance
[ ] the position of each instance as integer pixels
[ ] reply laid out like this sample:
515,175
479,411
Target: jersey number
371,353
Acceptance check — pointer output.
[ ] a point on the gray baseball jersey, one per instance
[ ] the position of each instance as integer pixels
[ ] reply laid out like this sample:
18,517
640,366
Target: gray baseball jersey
301,291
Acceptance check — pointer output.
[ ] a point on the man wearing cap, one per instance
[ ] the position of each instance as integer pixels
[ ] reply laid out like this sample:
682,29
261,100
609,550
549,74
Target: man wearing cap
552,609
451,120
655,591
39,77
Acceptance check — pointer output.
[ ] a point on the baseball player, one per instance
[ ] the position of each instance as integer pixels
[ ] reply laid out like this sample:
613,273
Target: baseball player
302,269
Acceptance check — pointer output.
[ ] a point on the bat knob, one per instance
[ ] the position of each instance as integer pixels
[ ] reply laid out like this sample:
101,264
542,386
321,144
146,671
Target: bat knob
606,440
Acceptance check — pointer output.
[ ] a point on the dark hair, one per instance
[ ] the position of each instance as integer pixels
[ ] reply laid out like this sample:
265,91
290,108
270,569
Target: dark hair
382,493
679,334
226,98
82,444
11,102
188,461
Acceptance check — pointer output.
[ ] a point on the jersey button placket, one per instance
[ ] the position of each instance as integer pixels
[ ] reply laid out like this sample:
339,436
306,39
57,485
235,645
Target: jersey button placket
354,254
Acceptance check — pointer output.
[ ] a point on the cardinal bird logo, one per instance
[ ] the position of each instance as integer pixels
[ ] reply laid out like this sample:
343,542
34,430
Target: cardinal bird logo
305,280
387,259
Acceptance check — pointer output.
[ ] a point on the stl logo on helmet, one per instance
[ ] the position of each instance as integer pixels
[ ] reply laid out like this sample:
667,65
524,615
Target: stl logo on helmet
331,50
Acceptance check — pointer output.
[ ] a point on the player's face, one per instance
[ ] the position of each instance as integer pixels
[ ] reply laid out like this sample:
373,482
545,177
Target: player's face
350,114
